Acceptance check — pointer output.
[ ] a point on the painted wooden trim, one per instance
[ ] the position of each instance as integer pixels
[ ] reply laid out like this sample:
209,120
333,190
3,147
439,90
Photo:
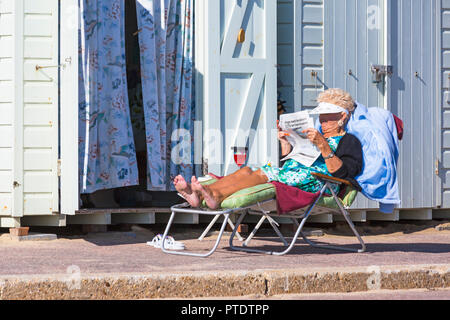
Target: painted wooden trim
44,221
321,218
356,216
137,218
387,49
419,215
184,218
378,216
199,42
123,211
101,219
55,119
17,209
212,83
438,185
270,85
9,222
68,107
298,55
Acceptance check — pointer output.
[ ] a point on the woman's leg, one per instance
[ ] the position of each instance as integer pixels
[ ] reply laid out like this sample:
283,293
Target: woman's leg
215,193
196,198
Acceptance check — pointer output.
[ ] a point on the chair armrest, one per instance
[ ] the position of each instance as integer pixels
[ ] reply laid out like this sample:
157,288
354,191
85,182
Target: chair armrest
331,179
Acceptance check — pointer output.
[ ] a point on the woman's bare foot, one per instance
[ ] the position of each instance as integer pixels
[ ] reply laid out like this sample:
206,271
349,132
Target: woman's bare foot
186,191
211,201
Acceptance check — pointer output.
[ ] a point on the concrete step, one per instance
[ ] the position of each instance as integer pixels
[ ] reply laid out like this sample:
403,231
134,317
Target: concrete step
263,283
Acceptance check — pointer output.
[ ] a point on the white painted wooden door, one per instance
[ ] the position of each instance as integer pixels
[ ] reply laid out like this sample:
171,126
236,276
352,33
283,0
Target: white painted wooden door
7,99
239,81
37,114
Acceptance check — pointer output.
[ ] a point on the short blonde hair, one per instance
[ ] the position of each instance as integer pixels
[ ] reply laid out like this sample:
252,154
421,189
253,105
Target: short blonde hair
338,97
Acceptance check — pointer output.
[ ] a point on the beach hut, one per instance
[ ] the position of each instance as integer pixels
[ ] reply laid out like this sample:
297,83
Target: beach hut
247,54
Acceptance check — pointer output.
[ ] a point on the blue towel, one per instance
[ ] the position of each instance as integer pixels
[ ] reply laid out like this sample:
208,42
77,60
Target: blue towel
376,130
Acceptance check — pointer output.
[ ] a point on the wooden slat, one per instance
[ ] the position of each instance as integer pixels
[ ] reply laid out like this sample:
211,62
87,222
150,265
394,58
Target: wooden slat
331,179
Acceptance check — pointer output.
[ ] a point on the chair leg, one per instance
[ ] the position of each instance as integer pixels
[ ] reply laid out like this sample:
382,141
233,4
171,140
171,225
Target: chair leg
351,225
210,225
294,239
219,237
272,224
230,223
252,234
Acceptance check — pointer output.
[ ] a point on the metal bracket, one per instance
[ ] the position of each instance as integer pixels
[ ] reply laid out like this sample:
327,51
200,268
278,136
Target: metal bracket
381,71
38,67
63,65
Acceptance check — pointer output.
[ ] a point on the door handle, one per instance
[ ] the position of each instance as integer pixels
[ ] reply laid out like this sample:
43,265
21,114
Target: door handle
63,65
380,71
38,67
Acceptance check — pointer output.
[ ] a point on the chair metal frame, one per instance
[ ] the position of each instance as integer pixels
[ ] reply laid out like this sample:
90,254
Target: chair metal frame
258,209
185,208
303,216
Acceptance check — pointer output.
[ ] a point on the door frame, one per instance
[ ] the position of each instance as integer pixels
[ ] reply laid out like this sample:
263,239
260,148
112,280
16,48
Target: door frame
68,106
438,185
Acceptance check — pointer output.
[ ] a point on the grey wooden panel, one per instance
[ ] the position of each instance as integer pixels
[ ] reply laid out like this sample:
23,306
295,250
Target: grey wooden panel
446,159
351,47
313,34
285,12
445,84
312,13
308,58
285,49
413,98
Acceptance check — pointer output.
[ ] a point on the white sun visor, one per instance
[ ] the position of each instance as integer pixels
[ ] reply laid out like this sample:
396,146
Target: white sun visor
325,108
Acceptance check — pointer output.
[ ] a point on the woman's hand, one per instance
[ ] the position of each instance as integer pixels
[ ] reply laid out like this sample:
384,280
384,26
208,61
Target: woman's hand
317,139
286,147
281,134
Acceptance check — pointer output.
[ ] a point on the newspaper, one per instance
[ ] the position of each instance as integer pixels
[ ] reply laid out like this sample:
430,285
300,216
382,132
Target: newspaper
303,151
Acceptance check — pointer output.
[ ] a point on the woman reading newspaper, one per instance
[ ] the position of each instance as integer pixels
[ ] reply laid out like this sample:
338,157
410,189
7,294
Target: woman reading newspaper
332,152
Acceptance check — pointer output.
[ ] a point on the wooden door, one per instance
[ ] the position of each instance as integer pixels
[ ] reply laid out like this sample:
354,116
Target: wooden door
238,72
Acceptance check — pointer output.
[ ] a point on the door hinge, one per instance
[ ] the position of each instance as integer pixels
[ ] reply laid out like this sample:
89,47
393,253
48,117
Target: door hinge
59,168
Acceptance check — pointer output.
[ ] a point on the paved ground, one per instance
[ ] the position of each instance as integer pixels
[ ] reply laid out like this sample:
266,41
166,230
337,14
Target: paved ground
127,252
113,253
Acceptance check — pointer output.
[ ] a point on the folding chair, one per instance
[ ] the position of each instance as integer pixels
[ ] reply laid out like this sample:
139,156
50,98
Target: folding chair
323,204
257,201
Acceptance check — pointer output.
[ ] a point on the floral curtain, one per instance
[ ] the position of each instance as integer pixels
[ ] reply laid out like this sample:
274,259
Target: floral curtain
107,152
166,46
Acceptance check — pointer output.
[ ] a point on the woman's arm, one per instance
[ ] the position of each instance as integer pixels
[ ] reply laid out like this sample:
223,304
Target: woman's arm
286,147
350,152
334,163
